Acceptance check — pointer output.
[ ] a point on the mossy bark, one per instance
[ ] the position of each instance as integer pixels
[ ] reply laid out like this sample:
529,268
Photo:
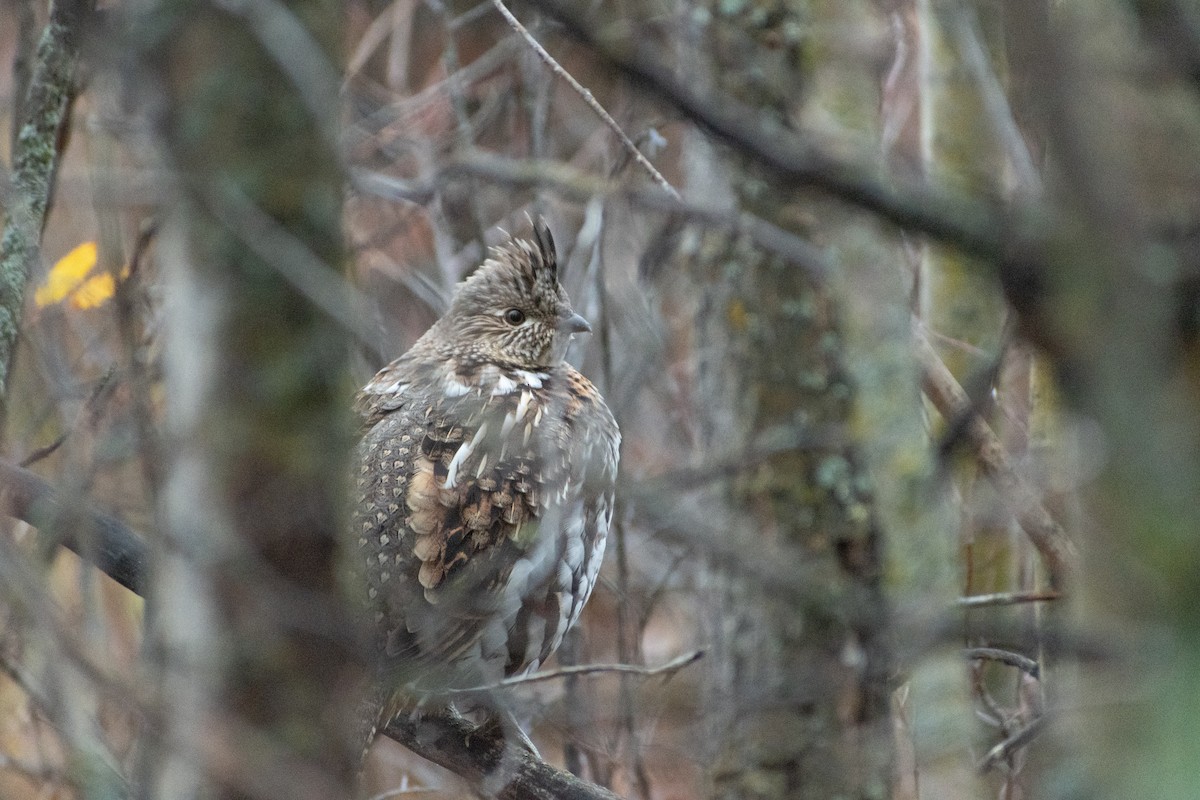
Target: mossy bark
797,684
35,160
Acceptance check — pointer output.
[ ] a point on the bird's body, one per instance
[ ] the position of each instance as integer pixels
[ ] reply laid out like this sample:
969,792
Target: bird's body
485,485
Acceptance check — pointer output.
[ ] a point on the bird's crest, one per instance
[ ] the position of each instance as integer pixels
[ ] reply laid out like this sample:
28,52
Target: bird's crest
537,258
545,245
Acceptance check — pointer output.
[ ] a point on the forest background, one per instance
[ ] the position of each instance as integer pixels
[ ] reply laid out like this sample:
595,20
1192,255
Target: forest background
897,303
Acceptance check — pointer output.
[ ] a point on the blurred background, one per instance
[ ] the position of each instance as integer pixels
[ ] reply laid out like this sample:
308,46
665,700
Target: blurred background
897,303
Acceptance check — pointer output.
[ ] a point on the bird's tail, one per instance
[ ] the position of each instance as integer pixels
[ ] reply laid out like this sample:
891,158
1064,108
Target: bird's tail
378,707
370,718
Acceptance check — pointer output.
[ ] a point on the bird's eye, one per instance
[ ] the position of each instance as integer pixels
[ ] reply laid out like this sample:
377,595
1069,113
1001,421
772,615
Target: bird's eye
514,316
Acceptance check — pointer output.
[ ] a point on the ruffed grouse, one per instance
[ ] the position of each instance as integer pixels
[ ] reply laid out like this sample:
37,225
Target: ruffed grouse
485,487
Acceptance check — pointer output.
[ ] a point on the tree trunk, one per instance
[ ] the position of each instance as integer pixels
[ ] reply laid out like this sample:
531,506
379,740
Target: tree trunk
259,425
797,690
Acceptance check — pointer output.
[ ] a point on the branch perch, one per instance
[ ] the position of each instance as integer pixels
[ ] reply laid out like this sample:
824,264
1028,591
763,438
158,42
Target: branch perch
492,765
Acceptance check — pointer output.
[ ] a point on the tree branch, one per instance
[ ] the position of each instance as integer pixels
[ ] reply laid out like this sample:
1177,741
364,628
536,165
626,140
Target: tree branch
1006,599
35,161
492,765
482,759
97,537
1021,662
978,229
587,97
1018,740
952,403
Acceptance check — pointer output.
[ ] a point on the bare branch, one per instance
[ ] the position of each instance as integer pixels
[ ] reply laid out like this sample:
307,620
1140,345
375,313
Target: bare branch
1018,740
1023,663
581,187
669,668
952,402
104,540
588,98
977,228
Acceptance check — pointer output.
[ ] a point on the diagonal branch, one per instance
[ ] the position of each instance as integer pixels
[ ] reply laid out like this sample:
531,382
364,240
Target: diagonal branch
668,669
587,97
952,402
979,229
578,186
104,540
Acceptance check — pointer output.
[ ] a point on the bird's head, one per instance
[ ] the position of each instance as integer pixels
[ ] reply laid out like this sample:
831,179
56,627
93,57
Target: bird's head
512,310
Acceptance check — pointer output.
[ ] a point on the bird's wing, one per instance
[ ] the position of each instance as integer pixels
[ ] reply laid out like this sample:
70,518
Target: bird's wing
449,505
391,388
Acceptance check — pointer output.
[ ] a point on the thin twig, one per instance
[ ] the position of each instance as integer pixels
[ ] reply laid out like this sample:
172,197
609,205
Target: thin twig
574,185
45,451
990,712
641,778
965,25
1007,598
403,791
89,407
393,119
669,668
588,98
1019,739
1023,663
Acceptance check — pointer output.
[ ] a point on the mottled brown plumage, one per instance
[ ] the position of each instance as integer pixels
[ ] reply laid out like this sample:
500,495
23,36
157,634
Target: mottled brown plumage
485,485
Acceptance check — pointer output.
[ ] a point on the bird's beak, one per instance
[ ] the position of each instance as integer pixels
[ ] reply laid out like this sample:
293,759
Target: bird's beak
574,324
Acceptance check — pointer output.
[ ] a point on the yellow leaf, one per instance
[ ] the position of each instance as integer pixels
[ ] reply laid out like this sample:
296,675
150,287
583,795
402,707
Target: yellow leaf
94,291
66,275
